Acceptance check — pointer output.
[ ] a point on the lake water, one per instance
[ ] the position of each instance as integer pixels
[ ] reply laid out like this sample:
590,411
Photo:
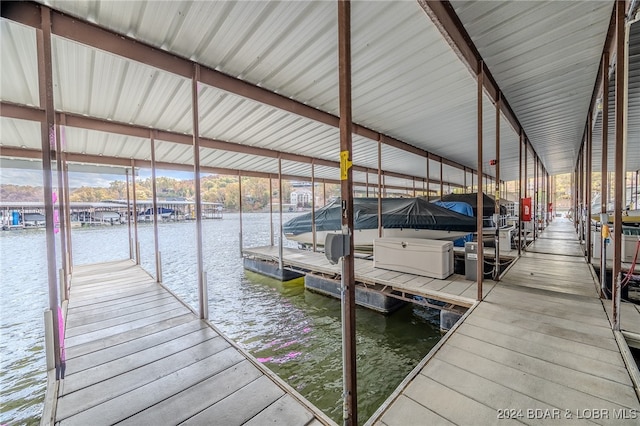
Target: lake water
294,332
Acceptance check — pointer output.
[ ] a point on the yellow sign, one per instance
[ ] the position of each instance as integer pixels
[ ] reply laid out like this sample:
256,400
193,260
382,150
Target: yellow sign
345,164
605,231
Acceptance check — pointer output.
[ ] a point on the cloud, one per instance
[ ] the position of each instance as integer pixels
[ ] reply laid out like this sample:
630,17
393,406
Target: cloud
76,179
33,177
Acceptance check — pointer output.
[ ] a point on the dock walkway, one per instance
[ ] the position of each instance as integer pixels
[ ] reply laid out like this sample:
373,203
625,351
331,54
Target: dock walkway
538,350
135,354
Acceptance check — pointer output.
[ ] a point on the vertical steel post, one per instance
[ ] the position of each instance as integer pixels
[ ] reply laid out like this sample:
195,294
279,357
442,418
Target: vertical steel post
480,266
366,179
324,193
203,297
280,247
428,171
380,187
574,195
48,144
496,273
589,182
464,179
535,197
126,172
581,193
135,212
67,208
619,162
441,181
61,213
154,205
520,193
346,189
271,210
240,211
313,203
472,180
64,295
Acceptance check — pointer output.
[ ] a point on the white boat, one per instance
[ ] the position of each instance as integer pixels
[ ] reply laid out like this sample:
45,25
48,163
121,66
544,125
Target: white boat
401,217
107,217
33,220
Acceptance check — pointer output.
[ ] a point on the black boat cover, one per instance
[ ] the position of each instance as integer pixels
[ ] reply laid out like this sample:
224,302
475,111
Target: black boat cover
414,213
488,203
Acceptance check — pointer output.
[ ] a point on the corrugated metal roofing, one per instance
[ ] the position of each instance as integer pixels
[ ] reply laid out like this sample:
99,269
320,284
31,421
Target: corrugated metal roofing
19,76
407,82
545,58
633,118
20,133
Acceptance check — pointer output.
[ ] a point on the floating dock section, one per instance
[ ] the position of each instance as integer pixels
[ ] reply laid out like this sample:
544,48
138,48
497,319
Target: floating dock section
452,293
135,354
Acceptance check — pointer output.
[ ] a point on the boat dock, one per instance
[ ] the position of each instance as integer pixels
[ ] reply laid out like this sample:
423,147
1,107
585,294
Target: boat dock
136,354
539,348
455,290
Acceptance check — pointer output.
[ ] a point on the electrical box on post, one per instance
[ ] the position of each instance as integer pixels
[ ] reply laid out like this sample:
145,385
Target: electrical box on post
525,209
335,247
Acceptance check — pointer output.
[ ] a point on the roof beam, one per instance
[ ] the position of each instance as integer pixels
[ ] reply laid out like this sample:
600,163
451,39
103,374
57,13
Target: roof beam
36,154
448,23
16,111
81,31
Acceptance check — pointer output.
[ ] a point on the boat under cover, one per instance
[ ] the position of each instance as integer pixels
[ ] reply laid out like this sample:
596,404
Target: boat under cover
488,203
401,217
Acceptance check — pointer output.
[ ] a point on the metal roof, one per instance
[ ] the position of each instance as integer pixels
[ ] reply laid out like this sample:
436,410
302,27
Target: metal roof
408,83
633,117
544,56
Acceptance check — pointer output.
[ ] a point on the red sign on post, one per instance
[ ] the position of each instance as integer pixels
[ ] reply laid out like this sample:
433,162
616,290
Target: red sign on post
525,209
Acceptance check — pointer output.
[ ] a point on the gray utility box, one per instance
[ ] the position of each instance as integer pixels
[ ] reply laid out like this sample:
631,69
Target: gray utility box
471,261
430,258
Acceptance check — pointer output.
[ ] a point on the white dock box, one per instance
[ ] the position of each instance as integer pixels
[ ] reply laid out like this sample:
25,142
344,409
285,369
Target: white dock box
430,258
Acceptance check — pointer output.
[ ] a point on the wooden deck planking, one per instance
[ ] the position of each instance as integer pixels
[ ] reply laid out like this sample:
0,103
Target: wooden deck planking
112,353
122,311
128,406
133,348
540,339
488,392
124,336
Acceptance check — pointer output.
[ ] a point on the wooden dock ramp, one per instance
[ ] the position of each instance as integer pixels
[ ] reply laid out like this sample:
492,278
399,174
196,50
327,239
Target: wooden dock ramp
538,350
137,355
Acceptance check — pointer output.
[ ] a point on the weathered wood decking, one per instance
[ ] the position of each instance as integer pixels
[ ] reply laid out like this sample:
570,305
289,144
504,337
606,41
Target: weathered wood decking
454,289
137,355
538,350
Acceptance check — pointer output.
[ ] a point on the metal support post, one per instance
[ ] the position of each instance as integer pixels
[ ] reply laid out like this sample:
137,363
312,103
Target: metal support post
619,161
154,204
240,212
202,283
496,269
48,143
480,267
346,178
280,246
